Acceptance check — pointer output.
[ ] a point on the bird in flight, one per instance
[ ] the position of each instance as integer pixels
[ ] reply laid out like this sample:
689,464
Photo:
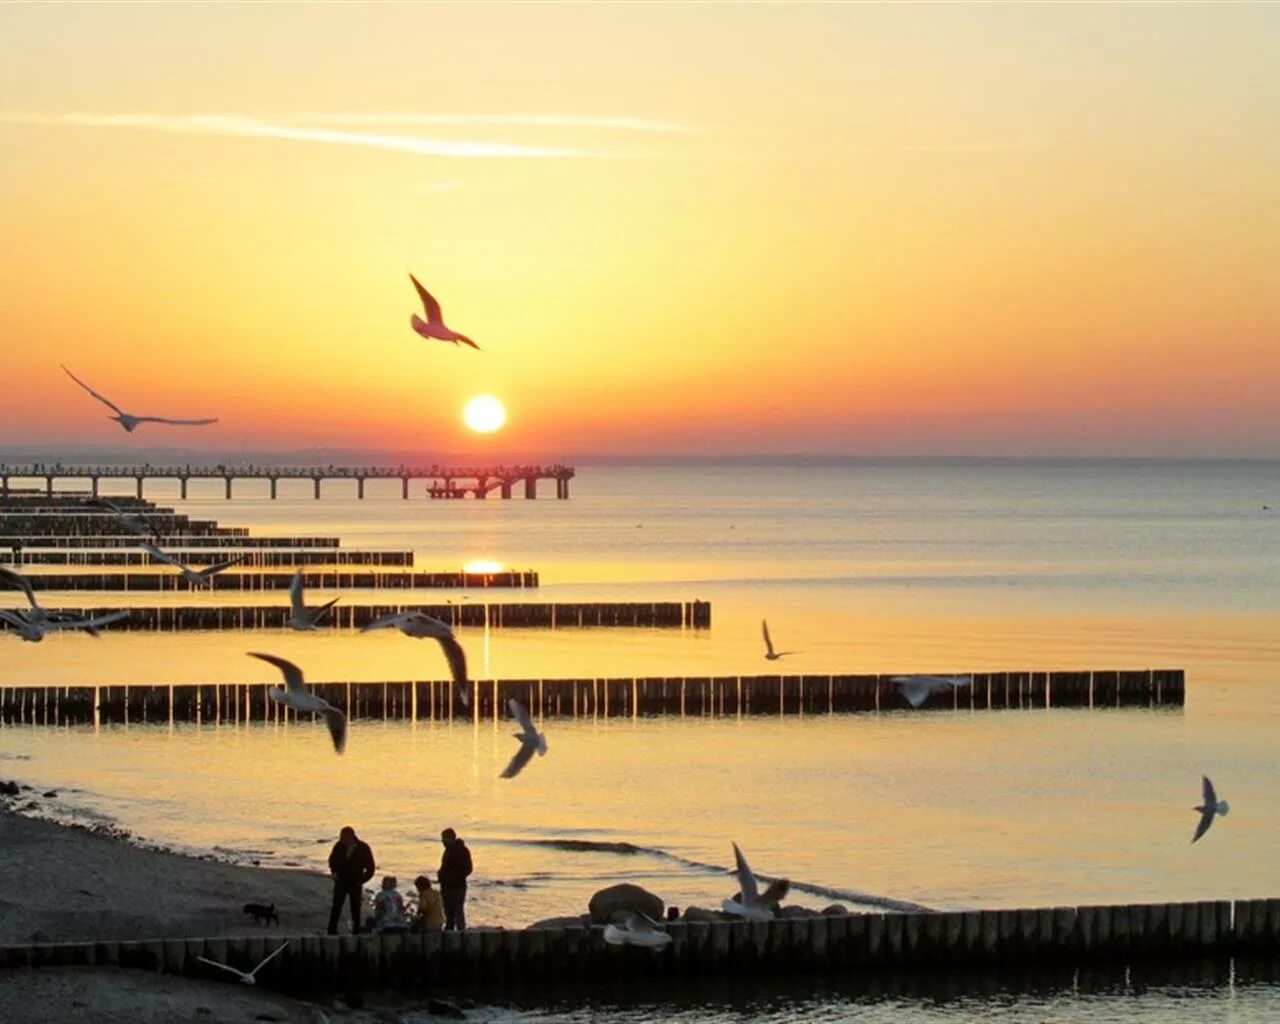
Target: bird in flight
531,741
196,577
918,689
128,420
141,526
421,626
433,326
34,632
246,977
769,653
35,614
1212,806
300,616
296,695
751,903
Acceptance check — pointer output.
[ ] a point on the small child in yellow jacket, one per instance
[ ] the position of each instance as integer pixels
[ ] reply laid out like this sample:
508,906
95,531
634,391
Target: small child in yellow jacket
430,907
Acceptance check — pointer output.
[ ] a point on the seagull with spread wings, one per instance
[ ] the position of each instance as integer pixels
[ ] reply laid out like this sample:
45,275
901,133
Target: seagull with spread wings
196,577
433,326
246,977
422,626
769,653
531,741
296,695
633,928
300,616
128,420
751,903
142,526
1211,807
34,632
35,614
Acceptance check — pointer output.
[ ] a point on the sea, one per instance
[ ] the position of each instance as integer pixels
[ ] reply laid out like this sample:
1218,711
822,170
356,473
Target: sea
902,566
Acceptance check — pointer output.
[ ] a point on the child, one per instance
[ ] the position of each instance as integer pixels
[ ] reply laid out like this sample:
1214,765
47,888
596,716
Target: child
430,907
388,908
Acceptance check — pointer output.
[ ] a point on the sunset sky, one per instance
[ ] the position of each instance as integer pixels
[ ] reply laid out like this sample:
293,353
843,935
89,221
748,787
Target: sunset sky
901,229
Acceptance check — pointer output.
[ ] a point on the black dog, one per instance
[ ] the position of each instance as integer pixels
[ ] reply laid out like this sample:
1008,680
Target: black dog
262,913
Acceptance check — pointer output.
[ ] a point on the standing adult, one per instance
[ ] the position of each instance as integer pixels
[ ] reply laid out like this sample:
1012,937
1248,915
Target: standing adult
351,865
455,866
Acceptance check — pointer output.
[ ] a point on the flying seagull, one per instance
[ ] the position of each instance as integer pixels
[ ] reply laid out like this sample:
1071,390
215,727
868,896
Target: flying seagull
421,626
1211,806
140,525
296,695
769,653
918,689
635,929
300,616
129,421
35,614
751,903
531,741
246,978
434,326
196,577
34,632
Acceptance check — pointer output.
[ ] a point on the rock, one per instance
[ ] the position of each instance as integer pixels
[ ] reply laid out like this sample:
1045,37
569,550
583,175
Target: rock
796,912
51,793
203,1011
702,914
444,1008
835,910
9,789
624,896
561,922
270,1017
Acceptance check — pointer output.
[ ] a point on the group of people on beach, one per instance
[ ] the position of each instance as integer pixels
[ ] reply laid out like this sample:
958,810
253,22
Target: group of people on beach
351,865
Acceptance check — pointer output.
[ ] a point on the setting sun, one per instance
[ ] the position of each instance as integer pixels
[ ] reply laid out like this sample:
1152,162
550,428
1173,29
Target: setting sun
484,414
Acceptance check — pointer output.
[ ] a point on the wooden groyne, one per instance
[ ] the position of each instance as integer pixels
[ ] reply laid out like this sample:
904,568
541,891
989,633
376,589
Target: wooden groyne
473,481
574,698
688,614
101,525
498,958
263,558
168,581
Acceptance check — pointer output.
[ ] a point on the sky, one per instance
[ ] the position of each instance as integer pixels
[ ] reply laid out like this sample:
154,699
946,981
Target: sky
686,229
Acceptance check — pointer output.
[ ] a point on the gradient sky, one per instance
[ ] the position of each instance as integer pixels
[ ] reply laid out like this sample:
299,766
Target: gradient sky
849,229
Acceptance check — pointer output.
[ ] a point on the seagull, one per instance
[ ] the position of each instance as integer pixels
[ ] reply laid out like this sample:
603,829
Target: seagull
1211,806
140,525
296,695
35,614
196,577
531,741
127,420
636,929
918,689
421,626
751,903
246,978
769,653
34,632
434,326
300,616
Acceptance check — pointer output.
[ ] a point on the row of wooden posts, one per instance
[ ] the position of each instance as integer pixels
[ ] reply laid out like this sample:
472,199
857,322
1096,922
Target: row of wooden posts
169,581
498,958
227,537
100,524
166,618
726,695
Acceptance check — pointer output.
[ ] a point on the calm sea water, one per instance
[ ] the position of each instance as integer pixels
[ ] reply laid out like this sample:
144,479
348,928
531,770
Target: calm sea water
886,567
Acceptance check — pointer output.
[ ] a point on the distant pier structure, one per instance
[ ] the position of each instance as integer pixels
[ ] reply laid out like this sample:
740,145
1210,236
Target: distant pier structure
445,481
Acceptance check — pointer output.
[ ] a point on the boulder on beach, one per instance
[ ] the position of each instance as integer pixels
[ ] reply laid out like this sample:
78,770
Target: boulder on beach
835,910
562,922
623,897
702,914
795,911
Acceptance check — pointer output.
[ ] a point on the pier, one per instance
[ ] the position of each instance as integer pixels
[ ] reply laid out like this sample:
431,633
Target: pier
1074,942
445,481
587,698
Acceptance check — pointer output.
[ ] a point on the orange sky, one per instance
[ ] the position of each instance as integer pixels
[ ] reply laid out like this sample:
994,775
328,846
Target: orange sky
853,229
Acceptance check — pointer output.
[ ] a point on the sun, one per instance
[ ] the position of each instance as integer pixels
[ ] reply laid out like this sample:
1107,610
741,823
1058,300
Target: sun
484,414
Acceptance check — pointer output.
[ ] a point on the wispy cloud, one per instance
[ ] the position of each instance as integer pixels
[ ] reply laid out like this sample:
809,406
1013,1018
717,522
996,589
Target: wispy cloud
631,124
249,127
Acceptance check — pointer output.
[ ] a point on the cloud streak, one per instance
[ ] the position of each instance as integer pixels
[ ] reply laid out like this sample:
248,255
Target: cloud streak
631,124
241,126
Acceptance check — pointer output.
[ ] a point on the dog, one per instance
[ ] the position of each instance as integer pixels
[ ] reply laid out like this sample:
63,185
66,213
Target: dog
262,913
